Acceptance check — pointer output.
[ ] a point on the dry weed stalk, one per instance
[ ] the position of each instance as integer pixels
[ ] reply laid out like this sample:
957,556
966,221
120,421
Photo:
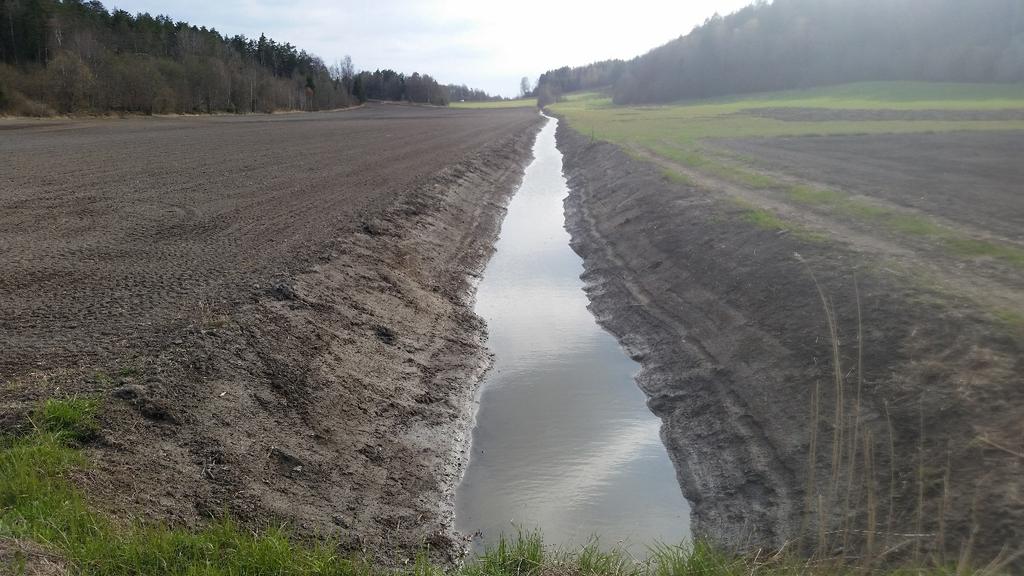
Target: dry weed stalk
872,500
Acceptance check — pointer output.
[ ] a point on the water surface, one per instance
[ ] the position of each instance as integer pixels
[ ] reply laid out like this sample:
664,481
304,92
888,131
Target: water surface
563,441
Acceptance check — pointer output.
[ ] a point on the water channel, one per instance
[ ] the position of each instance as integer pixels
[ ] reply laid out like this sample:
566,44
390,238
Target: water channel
563,441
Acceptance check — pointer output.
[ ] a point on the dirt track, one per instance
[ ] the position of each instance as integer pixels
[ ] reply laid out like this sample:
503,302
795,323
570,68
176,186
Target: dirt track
729,328
276,309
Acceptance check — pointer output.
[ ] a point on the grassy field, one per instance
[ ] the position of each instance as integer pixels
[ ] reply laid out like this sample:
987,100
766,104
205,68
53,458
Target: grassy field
681,126
518,103
893,96
41,511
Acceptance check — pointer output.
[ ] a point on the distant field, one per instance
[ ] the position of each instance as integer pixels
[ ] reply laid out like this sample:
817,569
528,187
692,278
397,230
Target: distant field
674,128
896,95
519,103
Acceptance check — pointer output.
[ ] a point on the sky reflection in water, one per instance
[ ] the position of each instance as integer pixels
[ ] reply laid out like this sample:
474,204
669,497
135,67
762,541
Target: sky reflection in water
564,440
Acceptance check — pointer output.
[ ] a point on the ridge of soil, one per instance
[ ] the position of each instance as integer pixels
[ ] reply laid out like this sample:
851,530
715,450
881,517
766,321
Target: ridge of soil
277,311
726,321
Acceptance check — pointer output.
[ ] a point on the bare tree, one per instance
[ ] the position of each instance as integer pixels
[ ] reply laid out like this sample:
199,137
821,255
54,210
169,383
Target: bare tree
348,72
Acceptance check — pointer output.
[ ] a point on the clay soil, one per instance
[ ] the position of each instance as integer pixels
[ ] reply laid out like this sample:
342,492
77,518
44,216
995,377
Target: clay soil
724,314
275,310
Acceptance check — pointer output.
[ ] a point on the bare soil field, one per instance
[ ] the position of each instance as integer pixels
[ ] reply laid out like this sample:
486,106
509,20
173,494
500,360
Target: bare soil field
972,178
275,309
713,286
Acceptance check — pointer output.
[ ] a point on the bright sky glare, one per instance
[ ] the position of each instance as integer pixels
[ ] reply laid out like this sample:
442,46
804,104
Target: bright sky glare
480,43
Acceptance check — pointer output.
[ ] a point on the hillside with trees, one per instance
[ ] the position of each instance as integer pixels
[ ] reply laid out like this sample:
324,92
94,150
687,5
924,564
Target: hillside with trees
72,56
554,83
789,44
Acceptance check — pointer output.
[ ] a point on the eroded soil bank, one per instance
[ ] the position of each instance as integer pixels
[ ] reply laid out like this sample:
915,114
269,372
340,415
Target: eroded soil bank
727,322
276,312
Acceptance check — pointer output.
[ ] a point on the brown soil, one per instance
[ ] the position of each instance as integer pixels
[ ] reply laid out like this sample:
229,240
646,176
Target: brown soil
729,328
971,178
277,310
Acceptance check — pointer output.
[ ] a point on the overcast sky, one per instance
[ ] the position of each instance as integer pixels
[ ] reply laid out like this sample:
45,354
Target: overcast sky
483,44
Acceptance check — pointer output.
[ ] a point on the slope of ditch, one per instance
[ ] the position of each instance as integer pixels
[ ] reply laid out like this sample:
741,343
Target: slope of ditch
724,314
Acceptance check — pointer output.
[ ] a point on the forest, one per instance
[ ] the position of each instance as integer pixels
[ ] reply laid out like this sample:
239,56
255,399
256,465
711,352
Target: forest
390,85
554,83
71,56
789,44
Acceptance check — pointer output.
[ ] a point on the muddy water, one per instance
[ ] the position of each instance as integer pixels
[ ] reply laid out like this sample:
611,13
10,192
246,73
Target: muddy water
563,441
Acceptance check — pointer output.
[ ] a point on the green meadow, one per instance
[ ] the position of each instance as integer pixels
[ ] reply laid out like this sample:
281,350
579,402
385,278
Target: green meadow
518,103
683,125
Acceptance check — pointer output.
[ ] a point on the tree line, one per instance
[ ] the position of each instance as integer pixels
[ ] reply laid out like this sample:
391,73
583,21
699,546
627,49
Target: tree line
553,83
789,44
391,85
420,88
66,56
463,93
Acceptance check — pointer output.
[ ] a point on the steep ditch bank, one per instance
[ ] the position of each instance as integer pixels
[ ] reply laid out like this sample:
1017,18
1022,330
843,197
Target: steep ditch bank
337,399
729,328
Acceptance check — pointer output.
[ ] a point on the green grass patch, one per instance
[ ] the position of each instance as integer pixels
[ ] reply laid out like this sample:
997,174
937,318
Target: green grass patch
764,219
909,224
703,162
810,195
1013,319
892,96
767,220
522,555
677,178
517,103
73,419
972,248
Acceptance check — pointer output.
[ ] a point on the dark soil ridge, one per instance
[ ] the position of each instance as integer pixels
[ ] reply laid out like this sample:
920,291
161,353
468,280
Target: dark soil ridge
338,400
728,328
